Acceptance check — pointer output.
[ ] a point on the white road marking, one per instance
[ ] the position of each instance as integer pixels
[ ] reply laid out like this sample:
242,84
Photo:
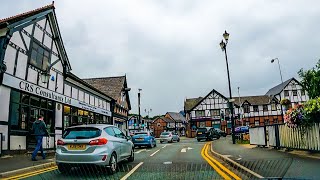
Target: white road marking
132,171
184,150
166,145
155,152
148,150
189,148
140,151
238,159
227,155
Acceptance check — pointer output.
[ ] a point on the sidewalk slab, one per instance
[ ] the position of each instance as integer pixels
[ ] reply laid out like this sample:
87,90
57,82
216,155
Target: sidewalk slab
267,161
16,162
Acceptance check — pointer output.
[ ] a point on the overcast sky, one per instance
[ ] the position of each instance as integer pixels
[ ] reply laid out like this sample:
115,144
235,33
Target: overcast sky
170,48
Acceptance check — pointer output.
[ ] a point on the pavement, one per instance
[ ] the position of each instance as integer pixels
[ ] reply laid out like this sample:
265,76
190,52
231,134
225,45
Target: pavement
178,160
269,162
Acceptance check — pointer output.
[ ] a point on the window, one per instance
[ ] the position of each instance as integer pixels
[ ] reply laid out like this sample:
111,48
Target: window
215,112
247,123
303,93
273,107
109,131
255,108
118,133
40,57
227,112
202,124
256,123
294,92
82,133
266,122
246,108
25,109
265,107
200,113
286,93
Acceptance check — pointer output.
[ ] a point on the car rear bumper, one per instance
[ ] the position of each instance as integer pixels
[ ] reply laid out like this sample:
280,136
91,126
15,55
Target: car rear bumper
142,143
95,159
166,139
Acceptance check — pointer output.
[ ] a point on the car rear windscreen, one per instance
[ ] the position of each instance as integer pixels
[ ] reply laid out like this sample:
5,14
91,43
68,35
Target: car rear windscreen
81,133
165,133
202,129
141,134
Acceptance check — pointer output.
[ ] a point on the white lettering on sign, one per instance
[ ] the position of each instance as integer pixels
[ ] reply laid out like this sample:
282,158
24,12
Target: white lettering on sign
31,88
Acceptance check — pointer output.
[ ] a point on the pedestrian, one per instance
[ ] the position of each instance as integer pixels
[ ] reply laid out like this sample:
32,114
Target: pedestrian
39,129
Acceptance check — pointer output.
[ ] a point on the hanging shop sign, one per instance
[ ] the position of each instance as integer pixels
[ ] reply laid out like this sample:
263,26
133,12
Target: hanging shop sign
31,88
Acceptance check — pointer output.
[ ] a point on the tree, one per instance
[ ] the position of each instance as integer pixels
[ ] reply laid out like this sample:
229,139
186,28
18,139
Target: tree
311,80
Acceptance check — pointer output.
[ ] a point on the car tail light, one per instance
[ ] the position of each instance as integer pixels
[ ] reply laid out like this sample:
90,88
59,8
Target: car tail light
60,142
100,141
104,157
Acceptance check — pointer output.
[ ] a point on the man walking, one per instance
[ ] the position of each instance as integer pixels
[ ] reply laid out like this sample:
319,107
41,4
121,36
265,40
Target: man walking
39,129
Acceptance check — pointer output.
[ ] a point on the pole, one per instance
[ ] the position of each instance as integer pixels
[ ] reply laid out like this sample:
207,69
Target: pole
240,110
139,116
280,70
230,103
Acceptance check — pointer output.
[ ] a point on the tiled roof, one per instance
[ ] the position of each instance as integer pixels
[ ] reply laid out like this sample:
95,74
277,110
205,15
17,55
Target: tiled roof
190,103
165,119
177,117
254,100
18,17
277,89
112,86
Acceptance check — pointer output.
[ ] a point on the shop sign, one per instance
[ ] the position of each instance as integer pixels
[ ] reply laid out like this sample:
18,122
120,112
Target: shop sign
31,88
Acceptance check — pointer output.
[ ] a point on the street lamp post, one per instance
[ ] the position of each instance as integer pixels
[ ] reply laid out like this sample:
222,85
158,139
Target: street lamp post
272,61
223,46
139,117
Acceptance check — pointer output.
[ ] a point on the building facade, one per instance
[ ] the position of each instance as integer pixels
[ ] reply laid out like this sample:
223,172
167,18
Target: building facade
180,121
290,89
213,111
36,80
117,88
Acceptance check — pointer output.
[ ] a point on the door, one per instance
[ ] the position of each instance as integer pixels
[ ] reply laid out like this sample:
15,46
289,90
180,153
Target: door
125,147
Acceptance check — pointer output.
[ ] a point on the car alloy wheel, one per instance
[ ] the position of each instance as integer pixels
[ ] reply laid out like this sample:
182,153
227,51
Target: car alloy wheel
112,164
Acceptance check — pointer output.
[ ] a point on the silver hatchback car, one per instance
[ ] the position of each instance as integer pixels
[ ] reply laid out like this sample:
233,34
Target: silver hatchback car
169,137
96,144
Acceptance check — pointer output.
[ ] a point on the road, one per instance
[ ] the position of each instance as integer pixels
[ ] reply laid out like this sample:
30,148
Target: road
180,160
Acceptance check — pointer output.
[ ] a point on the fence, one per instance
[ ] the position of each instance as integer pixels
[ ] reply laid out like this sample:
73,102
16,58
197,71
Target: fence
281,136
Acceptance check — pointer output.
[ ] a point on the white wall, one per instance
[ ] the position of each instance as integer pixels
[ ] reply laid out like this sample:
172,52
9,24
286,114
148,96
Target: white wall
18,143
58,115
4,131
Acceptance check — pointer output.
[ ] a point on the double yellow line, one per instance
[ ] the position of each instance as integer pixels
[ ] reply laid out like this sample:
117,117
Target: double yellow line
217,166
33,173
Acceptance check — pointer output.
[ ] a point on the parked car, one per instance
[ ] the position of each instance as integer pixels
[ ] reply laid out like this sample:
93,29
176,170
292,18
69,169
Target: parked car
144,139
169,137
97,144
207,133
242,129
222,133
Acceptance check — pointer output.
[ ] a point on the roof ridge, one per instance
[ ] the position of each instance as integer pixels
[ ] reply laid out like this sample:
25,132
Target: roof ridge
28,12
104,77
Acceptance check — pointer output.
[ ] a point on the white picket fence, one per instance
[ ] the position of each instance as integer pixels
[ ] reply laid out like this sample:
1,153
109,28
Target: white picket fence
283,136
292,138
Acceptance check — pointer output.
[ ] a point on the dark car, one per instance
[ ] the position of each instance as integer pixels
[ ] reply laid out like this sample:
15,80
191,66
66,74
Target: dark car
222,133
207,133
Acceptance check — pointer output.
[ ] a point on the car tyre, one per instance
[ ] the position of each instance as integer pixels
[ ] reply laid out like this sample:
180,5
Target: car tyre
151,145
198,140
64,168
171,141
178,140
113,165
218,137
131,158
161,142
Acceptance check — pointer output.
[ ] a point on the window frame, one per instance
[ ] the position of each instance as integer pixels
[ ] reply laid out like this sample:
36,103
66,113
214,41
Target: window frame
45,50
255,108
286,93
294,92
246,108
265,108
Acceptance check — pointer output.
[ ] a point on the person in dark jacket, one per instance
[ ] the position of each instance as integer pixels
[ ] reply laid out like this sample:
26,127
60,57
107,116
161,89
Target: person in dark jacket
39,129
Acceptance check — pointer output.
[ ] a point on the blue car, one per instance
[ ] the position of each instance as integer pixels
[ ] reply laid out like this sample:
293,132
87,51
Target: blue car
242,129
144,139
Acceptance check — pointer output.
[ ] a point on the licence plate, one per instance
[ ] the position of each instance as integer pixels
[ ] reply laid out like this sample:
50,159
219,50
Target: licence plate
76,146
199,132
140,139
